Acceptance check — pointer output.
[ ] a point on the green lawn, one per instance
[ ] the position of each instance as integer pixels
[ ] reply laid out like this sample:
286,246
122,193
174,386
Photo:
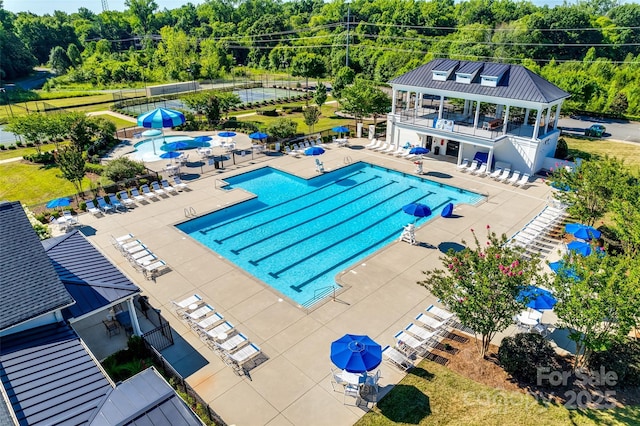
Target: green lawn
33,184
583,147
119,122
21,152
434,395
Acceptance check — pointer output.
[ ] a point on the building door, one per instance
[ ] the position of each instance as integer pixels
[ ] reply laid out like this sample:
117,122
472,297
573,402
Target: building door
452,148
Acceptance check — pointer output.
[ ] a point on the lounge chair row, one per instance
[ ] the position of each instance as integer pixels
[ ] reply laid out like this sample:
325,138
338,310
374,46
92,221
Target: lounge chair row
298,150
141,258
122,202
235,349
419,336
392,149
479,168
537,231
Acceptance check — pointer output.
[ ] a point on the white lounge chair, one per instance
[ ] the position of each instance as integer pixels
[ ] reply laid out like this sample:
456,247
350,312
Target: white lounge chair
200,313
390,150
397,358
91,208
474,165
124,198
235,342
430,321
382,147
167,187
371,144
157,189
185,303
480,171
409,344
443,314
219,330
495,173
504,175
137,196
464,165
210,321
116,203
104,206
288,151
152,270
147,193
422,333
122,239
514,177
245,354
524,180
177,183
69,218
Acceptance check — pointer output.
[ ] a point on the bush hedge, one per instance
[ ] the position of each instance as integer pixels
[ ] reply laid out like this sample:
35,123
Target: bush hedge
521,356
623,358
269,112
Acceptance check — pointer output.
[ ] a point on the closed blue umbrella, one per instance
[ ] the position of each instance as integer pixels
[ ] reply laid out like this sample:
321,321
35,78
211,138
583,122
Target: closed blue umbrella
418,150
174,146
58,202
161,117
584,232
355,353
314,150
258,135
417,210
539,298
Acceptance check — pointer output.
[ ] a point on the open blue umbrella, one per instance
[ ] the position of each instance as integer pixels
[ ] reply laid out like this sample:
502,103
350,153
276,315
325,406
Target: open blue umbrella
355,353
174,146
539,298
584,232
161,117
258,135
417,210
171,154
314,150
340,129
227,134
202,141
418,150
579,247
559,268
151,133
58,202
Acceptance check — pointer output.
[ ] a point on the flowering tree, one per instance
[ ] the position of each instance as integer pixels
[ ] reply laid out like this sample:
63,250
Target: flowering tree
481,285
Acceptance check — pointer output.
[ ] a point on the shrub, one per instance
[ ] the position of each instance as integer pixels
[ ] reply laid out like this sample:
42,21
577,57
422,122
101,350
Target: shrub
97,169
20,144
12,147
41,158
123,168
623,358
269,112
289,109
521,356
2,147
562,150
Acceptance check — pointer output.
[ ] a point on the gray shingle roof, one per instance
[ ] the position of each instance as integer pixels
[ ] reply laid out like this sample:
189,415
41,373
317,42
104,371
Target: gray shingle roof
89,277
145,399
517,83
29,285
49,376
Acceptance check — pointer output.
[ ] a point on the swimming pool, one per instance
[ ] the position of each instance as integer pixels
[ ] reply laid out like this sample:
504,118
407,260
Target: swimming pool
145,149
297,234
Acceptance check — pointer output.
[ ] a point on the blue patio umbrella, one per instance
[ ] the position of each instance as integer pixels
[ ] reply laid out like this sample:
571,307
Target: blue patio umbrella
314,150
417,210
355,353
171,154
258,135
202,141
58,202
579,247
161,117
418,150
539,298
227,134
151,133
584,232
559,268
174,146
340,129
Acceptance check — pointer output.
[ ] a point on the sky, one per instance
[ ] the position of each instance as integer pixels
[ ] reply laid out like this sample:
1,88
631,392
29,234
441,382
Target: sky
42,7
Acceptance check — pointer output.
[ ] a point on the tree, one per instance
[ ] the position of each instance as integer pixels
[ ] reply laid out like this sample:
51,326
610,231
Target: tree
308,65
481,285
590,187
320,97
58,60
282,128
344,77
72,165
228,100
142,12
31,126
364,99
82,132
598,300
73,53
311,116
619,104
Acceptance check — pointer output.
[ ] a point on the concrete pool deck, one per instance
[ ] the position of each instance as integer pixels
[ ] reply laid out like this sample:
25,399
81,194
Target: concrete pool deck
380,298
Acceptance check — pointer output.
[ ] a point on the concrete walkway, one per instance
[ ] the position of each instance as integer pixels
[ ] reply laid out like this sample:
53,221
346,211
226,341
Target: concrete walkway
380,295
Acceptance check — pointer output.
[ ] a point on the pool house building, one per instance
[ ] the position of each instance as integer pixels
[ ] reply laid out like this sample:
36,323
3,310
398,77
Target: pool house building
483,110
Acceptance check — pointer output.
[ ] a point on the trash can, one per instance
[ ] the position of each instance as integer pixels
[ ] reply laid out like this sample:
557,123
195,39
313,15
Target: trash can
216,164
436,150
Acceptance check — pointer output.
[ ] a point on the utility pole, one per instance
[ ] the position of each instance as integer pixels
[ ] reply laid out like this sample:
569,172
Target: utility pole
348,19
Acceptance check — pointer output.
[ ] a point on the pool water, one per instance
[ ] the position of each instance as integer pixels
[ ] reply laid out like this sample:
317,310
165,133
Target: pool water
151,149
297,234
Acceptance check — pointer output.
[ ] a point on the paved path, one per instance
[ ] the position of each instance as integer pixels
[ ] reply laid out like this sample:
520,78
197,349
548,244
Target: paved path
114,114
10,160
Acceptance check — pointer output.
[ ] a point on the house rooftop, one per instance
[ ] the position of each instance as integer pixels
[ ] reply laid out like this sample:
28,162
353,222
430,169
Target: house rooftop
92,280
511,81
30,286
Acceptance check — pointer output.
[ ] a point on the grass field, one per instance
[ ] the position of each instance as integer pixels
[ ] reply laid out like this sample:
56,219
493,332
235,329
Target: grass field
431,394
624,151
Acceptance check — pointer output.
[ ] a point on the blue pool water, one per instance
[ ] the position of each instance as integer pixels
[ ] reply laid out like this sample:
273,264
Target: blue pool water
297,234
151,149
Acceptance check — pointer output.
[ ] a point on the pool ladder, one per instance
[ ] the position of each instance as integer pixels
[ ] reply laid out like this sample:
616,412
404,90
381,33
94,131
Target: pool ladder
348,160
189,212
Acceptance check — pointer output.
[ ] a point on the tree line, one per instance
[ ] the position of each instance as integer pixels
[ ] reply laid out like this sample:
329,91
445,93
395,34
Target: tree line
589,49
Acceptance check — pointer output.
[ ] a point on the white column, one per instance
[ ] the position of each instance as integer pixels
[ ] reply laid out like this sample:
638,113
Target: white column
555,122
407,99
417,102
133,317
460,147
465,112
547,118
499,111
394,99
526,116
505,123
490,158
477,116
536,127
441,107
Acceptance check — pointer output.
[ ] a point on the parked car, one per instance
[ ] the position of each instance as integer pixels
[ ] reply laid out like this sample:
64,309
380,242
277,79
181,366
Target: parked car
596,130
